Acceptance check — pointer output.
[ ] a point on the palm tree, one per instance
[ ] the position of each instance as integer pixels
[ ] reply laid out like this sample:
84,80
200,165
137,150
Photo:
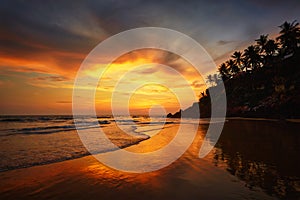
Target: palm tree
238,59
224,71
289,37
210,79
232,67
261,42
271,48
216,79
252,57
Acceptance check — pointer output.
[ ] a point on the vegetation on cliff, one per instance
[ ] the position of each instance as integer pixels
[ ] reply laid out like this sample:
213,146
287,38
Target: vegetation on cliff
261,81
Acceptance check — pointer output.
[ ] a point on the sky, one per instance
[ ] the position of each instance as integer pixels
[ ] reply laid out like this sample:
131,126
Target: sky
43,44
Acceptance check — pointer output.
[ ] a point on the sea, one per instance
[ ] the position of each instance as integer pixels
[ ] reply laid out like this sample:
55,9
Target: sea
37,140
261,153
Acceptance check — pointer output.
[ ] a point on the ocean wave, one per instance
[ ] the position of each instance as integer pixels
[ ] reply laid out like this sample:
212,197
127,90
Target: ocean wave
27,165
15,120
28,118
56,124
153,123
45,130
18,165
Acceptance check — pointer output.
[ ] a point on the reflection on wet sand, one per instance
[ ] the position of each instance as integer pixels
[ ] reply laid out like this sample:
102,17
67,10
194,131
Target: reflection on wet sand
252,160
264,154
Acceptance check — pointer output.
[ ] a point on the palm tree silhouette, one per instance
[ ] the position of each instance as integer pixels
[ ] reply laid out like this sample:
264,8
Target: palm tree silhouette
238,59
261,42
271,48
232,67
224,71
271,51
210,79
252,57
266,52
289,37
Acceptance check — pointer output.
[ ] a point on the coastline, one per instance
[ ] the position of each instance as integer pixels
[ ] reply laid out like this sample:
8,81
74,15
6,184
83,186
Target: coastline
158,137
74,157
264,119
188,177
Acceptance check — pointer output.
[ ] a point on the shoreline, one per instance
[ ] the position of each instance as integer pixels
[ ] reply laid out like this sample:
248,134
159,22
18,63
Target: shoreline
87,178
73,158
264,119
294,120
138,142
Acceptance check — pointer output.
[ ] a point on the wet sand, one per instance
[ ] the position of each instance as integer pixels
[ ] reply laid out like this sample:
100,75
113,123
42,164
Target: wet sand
85,178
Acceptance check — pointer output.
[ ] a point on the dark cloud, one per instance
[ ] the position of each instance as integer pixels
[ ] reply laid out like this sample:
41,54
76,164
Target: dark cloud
224,42
64,102
51,78
148,70
198,84
31,29
41,23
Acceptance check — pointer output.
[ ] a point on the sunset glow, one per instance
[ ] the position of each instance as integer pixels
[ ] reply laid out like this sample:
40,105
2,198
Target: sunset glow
172,99
150,74
42,51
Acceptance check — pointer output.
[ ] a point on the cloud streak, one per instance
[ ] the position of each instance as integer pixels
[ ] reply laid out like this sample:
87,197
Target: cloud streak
42,43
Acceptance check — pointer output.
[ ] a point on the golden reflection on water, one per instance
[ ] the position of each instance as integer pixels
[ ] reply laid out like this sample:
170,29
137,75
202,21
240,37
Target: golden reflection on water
158,141
263,154
119,178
